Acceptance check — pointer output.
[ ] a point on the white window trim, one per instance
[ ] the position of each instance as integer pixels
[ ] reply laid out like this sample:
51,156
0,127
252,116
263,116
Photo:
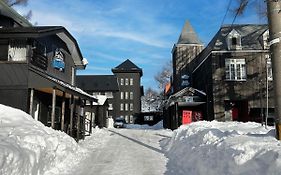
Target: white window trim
236,67
231,35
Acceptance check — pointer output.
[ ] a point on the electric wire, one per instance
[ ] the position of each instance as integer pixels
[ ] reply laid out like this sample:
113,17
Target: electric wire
228,6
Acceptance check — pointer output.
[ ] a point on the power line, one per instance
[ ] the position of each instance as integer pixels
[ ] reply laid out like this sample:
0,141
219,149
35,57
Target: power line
228,6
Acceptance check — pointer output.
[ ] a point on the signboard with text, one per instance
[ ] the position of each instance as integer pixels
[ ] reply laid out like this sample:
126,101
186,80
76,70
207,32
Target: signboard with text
186,117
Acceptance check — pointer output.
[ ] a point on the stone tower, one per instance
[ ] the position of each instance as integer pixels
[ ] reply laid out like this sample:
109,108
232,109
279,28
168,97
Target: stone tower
184,51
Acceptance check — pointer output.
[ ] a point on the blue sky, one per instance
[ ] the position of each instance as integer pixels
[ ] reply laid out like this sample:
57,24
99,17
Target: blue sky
144,31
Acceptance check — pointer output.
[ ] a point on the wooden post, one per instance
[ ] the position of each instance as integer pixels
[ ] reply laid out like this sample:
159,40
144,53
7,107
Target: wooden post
72,102
53,108
176,115
62,111
31,101
91,118
78,121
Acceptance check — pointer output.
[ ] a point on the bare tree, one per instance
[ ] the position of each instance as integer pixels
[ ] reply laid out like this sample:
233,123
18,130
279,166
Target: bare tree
151,100
163,77
241,6
12,3
16,2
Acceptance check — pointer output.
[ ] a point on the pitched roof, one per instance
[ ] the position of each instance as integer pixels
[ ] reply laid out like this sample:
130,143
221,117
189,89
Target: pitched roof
97,83
40,31
188,35
250,40
250,36
127,66
10,12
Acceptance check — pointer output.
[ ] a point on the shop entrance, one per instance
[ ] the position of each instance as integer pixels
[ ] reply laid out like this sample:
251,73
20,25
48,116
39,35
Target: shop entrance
236,110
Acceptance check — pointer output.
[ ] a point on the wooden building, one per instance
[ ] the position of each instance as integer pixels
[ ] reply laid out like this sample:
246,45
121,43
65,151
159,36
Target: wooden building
37,73
235,72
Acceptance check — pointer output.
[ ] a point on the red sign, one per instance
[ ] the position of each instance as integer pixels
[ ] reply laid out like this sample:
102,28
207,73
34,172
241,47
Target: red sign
186,117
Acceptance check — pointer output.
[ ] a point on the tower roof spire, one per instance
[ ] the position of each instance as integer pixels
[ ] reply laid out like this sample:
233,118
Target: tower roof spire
188,35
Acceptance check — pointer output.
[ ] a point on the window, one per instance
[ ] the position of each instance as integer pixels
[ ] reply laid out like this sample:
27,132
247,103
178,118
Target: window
110,106
126,81
127,118
235,69
131,107
126,95
126,107
131,95
269,68
148,118
121,107
17,50
131,81
121,81
234,41
131,119
121,95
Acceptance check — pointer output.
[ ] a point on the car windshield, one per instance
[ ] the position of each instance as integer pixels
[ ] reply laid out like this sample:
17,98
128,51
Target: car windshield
119,120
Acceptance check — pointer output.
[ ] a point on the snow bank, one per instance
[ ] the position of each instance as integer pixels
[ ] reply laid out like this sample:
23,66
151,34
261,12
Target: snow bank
157,126
28,147
223,148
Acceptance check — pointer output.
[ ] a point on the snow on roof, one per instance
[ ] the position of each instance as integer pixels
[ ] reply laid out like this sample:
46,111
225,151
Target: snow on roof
76,89
101,99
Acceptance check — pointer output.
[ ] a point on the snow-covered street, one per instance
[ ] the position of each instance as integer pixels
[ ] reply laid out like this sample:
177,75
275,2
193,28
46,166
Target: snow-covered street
127,151
28,147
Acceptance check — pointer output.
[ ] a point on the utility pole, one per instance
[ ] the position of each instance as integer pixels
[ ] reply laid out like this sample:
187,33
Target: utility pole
274,24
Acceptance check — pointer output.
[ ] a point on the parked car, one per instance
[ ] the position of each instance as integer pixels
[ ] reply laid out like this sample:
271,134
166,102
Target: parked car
119,123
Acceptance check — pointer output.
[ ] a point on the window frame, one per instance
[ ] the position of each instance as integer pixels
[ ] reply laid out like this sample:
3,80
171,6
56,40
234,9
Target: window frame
235,69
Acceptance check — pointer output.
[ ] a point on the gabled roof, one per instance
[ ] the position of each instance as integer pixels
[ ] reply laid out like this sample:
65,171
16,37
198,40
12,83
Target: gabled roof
250,34
97,83
127,66
188,35
5,10
41,31
250,40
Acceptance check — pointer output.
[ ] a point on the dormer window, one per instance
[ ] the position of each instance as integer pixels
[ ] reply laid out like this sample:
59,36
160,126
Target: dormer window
234,40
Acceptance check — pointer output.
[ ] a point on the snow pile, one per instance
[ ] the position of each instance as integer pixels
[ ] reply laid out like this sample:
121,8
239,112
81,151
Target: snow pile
223,148
157,126
28,147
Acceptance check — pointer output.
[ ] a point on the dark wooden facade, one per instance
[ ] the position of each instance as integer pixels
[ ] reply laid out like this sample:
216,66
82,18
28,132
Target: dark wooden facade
246,98
37,73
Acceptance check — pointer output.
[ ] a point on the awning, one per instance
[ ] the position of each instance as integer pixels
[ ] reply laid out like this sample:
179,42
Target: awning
40,80
186,97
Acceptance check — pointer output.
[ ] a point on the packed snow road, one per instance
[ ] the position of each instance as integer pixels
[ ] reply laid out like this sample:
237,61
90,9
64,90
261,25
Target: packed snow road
126,151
